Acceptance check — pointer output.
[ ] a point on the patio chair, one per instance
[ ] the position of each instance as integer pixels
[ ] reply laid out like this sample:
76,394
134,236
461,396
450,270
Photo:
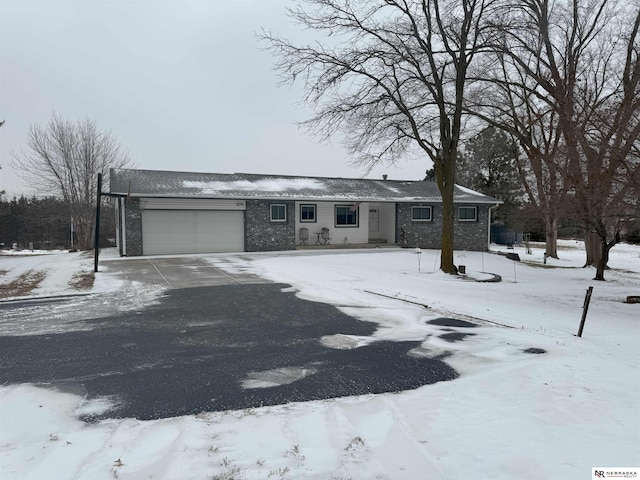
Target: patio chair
304,235
325,236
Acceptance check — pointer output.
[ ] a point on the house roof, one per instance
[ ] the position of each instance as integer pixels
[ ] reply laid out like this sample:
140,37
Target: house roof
245,186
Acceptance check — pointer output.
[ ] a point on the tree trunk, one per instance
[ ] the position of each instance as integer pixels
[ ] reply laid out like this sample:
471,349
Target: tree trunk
604,258
84,229
601,266
593,248
445,175
551,234
446,258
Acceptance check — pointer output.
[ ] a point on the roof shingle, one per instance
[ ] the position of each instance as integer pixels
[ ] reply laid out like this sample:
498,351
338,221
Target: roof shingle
156,183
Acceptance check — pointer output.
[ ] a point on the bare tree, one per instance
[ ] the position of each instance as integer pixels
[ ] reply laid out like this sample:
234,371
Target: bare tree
577,61
63,159
391,76
607,135
505,96
594,81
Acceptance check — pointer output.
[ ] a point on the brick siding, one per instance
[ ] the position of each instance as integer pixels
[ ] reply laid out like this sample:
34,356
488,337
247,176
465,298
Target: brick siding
467,235
133,227
263,235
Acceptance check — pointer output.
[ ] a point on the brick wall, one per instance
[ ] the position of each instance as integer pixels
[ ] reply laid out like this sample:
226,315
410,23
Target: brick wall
133,227
263,235
472,236
467,235
419,234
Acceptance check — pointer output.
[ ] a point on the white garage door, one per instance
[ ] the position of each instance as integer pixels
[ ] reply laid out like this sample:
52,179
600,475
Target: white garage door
192,231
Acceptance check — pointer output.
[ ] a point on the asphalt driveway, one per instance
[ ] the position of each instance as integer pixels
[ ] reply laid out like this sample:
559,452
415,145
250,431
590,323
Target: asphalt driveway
216,347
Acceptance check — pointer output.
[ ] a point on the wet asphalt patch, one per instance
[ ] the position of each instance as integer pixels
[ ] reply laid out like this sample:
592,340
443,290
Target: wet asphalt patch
452,322
216,348
456,336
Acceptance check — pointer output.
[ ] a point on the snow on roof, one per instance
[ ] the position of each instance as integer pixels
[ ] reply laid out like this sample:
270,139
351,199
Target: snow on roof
468,191
154,183
264,185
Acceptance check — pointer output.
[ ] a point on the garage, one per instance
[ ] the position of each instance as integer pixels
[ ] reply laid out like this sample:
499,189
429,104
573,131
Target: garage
191,231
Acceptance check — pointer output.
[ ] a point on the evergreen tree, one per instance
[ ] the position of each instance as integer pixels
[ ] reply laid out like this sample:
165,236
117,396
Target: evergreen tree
488,165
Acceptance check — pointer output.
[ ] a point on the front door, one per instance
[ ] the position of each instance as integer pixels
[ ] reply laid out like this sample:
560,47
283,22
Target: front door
374,222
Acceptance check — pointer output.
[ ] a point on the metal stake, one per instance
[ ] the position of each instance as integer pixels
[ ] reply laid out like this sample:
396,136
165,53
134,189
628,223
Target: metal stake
585,309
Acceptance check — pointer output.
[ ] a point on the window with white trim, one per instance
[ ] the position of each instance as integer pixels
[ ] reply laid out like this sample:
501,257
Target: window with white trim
421,214
467,214
278,212
308,213
346,216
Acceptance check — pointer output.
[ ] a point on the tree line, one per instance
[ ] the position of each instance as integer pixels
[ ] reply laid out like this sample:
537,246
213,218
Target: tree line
45,223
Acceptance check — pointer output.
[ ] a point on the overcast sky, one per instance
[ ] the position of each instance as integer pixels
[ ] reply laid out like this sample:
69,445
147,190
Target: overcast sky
183,85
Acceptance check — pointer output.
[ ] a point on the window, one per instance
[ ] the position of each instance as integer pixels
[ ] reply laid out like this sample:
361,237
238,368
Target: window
420,214
307,213
278,212
346,216
467,214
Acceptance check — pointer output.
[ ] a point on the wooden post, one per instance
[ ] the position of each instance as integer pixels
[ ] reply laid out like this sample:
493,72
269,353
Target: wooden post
585,309
97,238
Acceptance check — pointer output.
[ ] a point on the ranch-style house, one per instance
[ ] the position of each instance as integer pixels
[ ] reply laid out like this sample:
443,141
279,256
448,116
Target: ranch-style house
161,212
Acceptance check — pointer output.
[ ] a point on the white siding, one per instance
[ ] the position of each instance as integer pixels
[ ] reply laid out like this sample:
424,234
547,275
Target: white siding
325,217
191,204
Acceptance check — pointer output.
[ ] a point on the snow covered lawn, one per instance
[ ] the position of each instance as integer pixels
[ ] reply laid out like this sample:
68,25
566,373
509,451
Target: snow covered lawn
43,273
509,415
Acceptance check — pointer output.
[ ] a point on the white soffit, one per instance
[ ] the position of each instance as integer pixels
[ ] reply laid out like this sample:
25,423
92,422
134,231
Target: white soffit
191,204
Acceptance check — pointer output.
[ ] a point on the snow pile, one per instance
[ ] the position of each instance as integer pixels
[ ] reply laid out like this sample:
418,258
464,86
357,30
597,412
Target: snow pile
31,252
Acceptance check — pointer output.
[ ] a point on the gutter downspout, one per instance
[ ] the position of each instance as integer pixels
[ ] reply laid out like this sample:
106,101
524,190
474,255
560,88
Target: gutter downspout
124,228
116,219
